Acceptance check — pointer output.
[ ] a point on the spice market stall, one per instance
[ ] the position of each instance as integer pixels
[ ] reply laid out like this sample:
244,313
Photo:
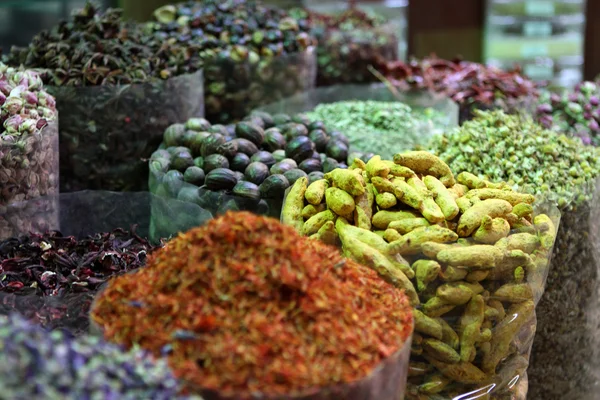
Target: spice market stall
564,171
471,255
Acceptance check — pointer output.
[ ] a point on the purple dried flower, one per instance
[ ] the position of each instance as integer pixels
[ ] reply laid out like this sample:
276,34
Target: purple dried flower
41,123
593,125
5,86
594,101
587,107
555,98
2,98
587,115
28,125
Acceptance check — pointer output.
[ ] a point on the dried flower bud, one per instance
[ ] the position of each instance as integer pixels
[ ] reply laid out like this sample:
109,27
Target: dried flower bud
13,105
30,97
12,123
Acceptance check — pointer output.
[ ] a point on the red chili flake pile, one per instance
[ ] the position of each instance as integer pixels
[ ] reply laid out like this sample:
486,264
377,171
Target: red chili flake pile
245,305
467,83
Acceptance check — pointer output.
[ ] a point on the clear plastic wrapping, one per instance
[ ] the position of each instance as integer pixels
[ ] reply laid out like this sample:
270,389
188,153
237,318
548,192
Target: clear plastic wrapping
234,88
345,56
433,114
88,213
107,132
565,362
29,171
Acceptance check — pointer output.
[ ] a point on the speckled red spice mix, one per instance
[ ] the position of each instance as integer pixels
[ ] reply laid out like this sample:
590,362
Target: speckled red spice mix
246,305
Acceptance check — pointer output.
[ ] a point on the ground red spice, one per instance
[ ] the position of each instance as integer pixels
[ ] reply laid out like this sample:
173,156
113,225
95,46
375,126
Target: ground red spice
245,305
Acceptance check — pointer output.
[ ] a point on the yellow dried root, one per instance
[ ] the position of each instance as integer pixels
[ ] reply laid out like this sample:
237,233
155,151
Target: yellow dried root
472,218
463,372
407,225
429,208
310,210
514,293
363,212
327,234
453,274
443,197
357,163
315,223
523,210
371,257
339,201
425,163
349,181
475,256
426,271
513,198
434,384
547,231
436,307
449,336
491,230
316,192
386,200
427,325
412,241
458,293
407,194
504,333
377,167
440,351
470,328
525,242
383,218
291,213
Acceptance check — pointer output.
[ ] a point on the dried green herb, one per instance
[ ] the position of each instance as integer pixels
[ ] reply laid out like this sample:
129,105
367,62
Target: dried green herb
379,127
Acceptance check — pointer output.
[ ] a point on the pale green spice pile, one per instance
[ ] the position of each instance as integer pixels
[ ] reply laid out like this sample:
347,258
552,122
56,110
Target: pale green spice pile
516,150
379,127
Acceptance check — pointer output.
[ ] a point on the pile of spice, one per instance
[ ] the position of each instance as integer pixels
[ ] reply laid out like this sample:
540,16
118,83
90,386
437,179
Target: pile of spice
52,279
28,137
245,166
575,112
38,364
564,171
471,85
107,126
348,43
245,305
252,54
471,255
377,127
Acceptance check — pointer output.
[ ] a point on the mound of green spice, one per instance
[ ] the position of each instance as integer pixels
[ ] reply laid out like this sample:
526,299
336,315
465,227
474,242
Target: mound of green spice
501,147
380,127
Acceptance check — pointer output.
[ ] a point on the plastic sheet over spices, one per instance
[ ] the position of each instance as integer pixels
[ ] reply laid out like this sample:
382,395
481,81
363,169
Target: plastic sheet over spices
107,132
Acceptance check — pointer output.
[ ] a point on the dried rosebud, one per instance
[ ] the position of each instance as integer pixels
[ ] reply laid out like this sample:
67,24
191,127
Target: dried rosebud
28,125
594,101
30,97
2,98
12,123
544,108
5,86
41,123
13,105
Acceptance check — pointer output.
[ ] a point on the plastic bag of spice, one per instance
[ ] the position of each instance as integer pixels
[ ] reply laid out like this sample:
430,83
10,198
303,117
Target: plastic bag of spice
52,278
29,171
473,277
237,85
107,132
375,119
